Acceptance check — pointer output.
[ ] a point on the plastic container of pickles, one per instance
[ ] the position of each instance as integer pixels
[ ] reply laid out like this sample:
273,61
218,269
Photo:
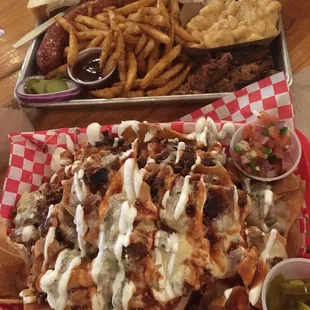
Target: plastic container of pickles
287,286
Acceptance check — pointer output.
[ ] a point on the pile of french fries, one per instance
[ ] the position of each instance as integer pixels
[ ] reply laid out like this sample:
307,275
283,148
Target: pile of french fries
142,40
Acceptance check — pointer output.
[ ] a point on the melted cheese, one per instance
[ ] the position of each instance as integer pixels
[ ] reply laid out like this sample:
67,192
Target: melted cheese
179,209
79,222
228,128
94,134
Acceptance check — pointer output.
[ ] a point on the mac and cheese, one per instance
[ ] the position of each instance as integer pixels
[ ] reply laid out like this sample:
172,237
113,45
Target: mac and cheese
226,22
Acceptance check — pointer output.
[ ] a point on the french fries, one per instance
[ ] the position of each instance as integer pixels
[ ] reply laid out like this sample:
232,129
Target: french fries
112,19
113,59
79,26
81,47
171,31
95,42
60,70
90,34
132,70
183,34
91,22
106,49
160,66
172,85
146,50
153,57
63,23
175,9
134,7
109,92
141,43
156,34
121,64
73,48
173,71
133,93
138,40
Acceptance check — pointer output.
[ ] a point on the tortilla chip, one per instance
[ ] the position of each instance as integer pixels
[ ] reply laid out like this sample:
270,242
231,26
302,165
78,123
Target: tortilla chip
246,268
287,209
14,266
283,186
293,240
37,307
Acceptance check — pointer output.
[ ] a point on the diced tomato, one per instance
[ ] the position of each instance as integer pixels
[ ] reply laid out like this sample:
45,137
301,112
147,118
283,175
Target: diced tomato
271,143
257,145
278,167
267,119
278,152
247,131
284,140
274,132
259,152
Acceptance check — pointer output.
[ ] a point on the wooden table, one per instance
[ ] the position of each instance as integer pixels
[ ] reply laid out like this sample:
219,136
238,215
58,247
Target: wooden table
16,21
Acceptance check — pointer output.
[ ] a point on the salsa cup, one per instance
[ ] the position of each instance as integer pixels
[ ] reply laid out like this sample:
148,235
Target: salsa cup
295,152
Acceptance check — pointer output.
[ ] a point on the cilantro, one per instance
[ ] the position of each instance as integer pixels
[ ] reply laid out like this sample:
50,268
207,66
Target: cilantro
283,131
253,168
267,150
238,148
265,132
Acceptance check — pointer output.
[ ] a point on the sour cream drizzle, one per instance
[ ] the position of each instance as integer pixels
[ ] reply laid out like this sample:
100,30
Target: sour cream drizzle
268,201
179,209
94,134
70,144
79,222
181,148
125,124
255,292
79,187
48,241
197,162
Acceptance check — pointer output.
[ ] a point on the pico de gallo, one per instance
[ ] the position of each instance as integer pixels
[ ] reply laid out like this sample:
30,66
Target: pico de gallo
265,150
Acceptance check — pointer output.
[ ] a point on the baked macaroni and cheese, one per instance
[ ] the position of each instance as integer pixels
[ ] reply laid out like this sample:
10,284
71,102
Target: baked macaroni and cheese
227,22
152,219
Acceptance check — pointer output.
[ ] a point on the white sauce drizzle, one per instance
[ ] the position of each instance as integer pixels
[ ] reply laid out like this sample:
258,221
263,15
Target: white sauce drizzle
228,128
181,147
129,290
70,144
75,165
50,211
135,127
29,233
148,136
268,201
56,162
97,262
80,174
125,124
255,292
97,302
79,222
179,209
67,169
227,293
165,198
79,187
94,134
125,154
115,143
247,182
63,283
197,162
53,178
48,241
236,196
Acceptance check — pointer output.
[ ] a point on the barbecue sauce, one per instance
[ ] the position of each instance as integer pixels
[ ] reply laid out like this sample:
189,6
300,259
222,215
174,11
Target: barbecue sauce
87,69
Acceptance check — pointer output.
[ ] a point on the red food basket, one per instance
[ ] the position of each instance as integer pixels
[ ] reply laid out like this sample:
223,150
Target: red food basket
31,152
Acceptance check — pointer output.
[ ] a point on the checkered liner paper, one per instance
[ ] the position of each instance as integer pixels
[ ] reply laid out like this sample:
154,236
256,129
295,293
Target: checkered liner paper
31,152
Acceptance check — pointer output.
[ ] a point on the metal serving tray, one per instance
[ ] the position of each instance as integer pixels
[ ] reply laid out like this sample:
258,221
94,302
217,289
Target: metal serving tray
278,49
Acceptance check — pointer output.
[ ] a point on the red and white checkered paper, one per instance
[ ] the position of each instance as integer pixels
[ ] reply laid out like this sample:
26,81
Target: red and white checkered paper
31,152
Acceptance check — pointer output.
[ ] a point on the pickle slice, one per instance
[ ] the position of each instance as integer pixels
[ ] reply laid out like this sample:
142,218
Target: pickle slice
39,88
302,306
55,86
274,298
28,87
